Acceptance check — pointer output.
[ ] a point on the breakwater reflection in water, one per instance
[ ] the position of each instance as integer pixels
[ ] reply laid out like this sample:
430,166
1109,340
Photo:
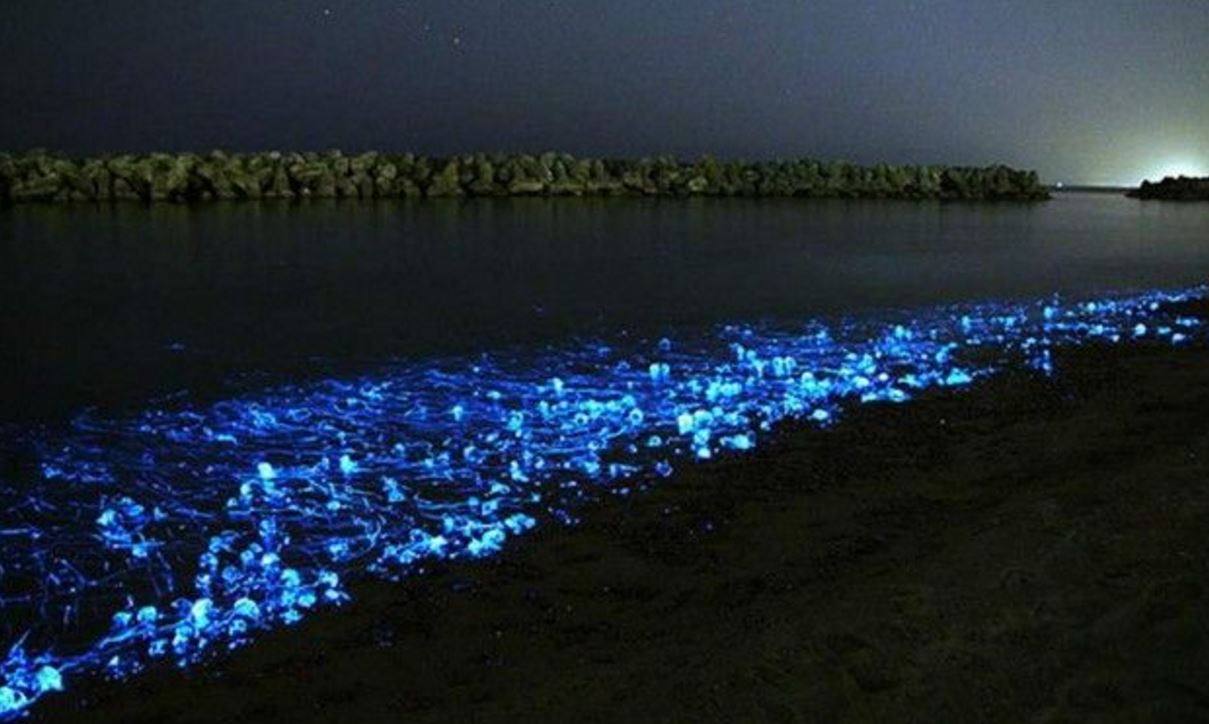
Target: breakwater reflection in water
186,528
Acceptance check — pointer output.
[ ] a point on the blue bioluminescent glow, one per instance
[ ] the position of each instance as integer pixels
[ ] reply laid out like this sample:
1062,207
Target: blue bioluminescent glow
187,528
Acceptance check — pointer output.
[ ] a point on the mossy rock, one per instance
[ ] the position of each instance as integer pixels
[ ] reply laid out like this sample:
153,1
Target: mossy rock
567,187
36,188
484,178
363,164
447,182
213,179
345,187
526,187
365,186
386,180
279,186
124,191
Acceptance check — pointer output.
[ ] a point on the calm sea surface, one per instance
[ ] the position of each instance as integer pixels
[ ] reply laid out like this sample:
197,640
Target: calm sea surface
112,306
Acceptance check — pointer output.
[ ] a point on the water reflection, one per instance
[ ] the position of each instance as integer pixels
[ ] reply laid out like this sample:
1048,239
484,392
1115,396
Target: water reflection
111,305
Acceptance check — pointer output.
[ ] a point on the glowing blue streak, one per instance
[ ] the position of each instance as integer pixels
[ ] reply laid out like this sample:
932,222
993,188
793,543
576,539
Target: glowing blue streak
183,529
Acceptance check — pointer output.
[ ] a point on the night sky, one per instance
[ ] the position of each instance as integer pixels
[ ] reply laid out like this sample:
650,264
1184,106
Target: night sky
1102,91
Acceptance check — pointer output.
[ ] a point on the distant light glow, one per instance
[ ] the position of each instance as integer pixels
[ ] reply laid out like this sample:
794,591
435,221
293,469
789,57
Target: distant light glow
1175,168
184,529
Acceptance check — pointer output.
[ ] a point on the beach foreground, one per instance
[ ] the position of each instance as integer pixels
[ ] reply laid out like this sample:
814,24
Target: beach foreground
1030,548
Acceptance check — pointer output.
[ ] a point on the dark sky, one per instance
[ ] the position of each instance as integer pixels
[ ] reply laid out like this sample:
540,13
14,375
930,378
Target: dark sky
1083,90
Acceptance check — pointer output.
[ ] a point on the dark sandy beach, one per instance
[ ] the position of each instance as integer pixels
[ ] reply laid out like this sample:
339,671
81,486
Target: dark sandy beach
1029,550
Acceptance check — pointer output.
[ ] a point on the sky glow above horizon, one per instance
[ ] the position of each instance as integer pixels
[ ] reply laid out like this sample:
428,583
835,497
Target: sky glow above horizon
1175,167
1084,91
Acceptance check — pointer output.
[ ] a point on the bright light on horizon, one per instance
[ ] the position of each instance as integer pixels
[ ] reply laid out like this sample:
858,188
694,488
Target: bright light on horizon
1176,167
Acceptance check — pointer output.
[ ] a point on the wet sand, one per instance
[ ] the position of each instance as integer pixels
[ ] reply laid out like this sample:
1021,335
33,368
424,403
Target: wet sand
1031,549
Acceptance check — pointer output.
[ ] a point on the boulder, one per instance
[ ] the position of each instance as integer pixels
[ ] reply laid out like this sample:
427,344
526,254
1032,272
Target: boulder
245,182
36,187
447,182
213,179
345,188
526,187
123,190
386,180
365,186
279,185
484,178
324,185
166,177
97,178
363,164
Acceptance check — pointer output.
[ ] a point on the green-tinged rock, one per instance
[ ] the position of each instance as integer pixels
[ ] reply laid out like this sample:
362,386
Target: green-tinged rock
80,181
421,172
386,180
123,191
166,176
633,180
121,167
279,186
526,187
303,173
410,188
101,181
36,188
345,188
41,175
484,178
566,186
601,180
311,176
213,179
447,181
363,164
324,186
245,181
365,186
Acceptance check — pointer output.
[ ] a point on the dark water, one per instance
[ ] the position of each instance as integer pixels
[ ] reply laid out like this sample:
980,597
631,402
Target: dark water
112,305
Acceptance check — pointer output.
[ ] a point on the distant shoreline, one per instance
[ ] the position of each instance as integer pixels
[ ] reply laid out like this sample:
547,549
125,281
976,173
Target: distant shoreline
1087,189
42,176
1183,188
